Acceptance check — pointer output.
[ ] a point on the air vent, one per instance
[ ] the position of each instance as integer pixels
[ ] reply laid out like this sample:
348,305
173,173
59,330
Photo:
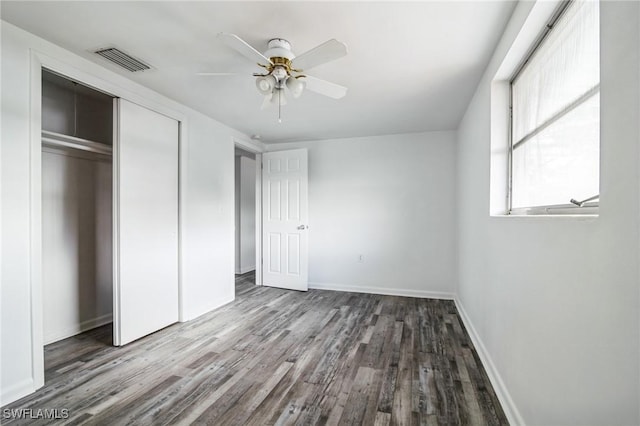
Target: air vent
122,59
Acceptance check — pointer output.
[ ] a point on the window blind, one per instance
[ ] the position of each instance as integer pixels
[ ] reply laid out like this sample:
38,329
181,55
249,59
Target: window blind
556,113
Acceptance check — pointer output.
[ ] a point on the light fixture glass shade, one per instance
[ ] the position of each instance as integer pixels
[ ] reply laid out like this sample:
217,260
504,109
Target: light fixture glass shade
279,97
296,86
266,102
265,84
274,98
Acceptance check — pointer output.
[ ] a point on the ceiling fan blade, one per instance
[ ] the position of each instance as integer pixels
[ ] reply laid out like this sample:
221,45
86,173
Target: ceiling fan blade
326,52
324,87
216,73
244,48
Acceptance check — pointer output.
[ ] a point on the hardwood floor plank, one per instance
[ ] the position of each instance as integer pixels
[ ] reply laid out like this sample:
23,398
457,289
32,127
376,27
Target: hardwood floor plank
401,409
338,392
277,357
355,407
382,419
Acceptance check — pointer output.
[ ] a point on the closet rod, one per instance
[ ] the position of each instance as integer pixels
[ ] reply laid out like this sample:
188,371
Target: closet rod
53,139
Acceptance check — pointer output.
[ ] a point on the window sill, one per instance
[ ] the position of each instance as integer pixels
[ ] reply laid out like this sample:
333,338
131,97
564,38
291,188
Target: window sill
547,217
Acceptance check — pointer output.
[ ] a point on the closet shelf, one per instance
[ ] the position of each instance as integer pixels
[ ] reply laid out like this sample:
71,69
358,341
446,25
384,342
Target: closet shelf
58,140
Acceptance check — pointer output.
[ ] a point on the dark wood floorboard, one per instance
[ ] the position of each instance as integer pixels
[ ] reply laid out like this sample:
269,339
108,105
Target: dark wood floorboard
276,357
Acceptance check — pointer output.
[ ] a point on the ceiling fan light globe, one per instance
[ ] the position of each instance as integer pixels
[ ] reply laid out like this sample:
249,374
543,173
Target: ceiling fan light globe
278,97
266,101
296,86
265,84
283,97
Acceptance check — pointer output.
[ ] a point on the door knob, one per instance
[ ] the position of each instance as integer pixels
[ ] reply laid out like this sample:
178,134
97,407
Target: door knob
302,227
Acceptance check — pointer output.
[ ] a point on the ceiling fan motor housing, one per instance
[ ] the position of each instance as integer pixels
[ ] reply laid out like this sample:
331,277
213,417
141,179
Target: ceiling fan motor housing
279,48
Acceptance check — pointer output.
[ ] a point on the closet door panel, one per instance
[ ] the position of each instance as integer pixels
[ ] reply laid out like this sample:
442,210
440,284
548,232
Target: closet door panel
147,209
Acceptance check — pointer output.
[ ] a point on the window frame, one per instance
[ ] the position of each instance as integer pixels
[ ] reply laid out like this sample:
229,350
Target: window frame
586,208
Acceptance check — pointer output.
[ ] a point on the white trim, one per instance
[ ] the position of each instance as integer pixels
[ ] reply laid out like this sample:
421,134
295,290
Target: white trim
509,407
589,209
255,147
259,219
638,235
35,218
546,217
115,214
78,328
17,391
387,291
182,208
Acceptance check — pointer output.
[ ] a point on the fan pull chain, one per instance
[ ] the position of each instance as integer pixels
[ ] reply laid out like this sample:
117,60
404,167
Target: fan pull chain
279,106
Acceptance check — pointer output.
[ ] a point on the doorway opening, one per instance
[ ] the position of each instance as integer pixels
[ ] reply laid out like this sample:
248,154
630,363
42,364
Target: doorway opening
77,213
246,167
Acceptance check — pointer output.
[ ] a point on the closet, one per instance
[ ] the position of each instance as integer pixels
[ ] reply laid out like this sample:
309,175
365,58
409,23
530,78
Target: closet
110,212
77,222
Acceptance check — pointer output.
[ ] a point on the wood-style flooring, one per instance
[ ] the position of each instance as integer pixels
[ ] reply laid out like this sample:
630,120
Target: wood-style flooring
276,357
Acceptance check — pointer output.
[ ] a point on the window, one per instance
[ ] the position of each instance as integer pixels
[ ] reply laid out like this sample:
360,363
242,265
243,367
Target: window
555,122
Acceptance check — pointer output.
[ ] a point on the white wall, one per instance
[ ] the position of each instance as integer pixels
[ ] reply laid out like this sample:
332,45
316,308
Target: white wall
206,216
553,302
390,199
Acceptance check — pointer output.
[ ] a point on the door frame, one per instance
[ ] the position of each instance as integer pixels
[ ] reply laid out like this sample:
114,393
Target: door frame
99,79
257,150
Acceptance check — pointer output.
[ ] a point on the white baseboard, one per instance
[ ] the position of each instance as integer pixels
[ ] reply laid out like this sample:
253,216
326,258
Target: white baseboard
244,270
16,391
54,336
509,407
387,291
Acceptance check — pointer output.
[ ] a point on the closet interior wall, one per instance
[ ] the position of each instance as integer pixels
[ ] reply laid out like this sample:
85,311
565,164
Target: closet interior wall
77,255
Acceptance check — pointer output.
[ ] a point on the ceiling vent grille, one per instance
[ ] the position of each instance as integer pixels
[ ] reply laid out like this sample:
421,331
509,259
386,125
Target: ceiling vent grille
122,59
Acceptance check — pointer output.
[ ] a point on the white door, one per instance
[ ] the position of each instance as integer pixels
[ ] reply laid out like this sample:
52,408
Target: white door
285,235
146,222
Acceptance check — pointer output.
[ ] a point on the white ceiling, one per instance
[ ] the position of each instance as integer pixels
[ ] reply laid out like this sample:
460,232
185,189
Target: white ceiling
411,66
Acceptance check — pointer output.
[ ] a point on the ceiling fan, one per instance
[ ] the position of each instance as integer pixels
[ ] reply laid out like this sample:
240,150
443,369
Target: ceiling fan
284,71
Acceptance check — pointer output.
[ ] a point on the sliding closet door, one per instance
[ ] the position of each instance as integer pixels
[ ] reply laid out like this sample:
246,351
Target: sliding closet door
146,284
